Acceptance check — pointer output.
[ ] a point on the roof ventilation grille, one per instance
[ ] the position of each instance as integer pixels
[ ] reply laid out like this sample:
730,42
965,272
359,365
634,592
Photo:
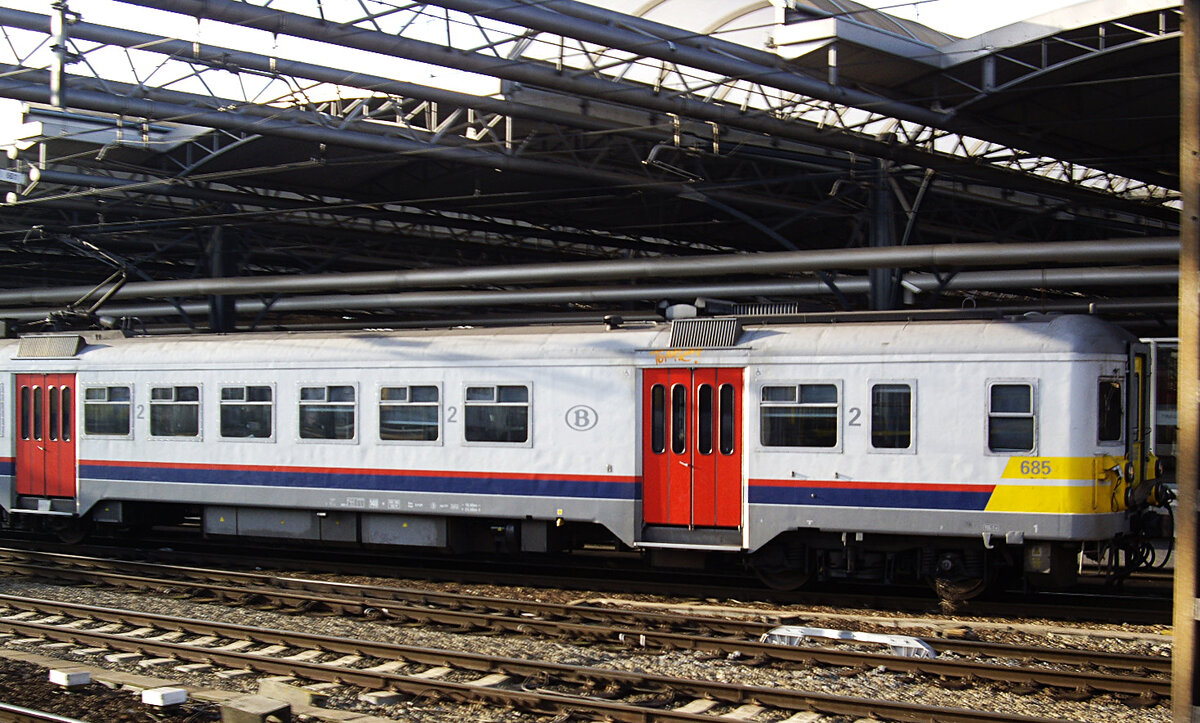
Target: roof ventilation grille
49,347
705,333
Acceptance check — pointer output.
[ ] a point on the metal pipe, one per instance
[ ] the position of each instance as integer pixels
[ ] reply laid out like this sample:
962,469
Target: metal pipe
944,256
576,295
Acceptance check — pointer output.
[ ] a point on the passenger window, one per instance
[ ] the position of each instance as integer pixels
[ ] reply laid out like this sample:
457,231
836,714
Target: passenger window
66,414
497,414
658,419
327,412
800,415
246,412
1011,421
891,416
727,419
704,425
1111,418
409,414
678,418
175,411
25,412
106,411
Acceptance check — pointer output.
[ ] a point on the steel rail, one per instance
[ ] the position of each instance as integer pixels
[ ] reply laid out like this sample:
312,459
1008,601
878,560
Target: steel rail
593,678
638,637
649,619
943,256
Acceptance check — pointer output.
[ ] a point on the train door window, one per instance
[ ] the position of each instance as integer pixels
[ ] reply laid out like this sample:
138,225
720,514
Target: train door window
107,411
410,414
38,413
892,416
25,412
678,419
246,412
68,403
1011,418
497,414
175,411
799,415
1110,421
658,419
726,419
704,422
327,412
53,416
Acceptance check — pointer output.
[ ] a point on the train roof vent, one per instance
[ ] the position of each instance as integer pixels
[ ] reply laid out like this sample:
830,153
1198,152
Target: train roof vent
49,347
705,333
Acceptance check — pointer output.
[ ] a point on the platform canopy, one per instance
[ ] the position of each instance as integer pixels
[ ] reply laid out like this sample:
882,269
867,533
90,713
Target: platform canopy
181,165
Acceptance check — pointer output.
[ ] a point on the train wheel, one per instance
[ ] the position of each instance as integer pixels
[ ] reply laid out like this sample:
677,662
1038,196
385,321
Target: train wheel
71,531
781,578
781,565
954,592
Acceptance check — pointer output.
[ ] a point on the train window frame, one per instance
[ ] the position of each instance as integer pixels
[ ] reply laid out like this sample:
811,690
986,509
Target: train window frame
301,402
1034,403
159,403
495,385
273,405
89,402
440,405
1123,399
869,422
839,406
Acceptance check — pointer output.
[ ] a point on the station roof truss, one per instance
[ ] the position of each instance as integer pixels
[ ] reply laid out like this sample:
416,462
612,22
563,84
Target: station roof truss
580,141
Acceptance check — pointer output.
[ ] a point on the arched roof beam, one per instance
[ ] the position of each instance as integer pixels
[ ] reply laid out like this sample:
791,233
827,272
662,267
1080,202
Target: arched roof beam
635,95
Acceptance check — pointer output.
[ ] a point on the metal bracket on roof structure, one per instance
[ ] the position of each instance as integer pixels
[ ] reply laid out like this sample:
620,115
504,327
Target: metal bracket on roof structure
902,645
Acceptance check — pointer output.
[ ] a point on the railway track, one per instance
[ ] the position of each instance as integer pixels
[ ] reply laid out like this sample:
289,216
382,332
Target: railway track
964,661
529,686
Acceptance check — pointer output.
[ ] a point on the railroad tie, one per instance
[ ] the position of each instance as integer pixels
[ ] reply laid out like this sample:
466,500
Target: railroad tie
698,706
390,666
490,680
432,673
744,712
305,655
804,716
344,661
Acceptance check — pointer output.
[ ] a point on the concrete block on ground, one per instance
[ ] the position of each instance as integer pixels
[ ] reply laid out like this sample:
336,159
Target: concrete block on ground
256,709
162,697
70,678
294,694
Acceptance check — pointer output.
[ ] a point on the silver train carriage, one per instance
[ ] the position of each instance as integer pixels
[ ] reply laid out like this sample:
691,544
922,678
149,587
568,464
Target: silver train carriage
941,450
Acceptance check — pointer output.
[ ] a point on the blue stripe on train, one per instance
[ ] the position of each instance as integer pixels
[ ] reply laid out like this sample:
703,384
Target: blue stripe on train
867,497
360,480
8,467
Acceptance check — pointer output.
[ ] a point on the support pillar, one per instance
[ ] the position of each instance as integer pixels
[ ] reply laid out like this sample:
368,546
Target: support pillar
1185,689
222,317
884,294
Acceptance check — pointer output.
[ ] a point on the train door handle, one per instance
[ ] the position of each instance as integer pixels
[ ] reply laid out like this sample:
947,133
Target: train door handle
685,464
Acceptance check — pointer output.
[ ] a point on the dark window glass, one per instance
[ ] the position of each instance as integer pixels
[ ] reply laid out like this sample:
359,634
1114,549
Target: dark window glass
175,411
496,414
727,435
704,424
53,413
658,419
678,419
1111,419
409,414
67,421
812,421
1010,418
327,412
891,416
37,413
26,412
246,412
107,410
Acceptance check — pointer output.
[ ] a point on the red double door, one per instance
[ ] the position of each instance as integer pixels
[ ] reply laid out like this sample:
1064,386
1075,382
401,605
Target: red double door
45,435
692,447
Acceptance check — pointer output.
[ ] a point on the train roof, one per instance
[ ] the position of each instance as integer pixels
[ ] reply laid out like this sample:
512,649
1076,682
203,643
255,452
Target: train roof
1041,334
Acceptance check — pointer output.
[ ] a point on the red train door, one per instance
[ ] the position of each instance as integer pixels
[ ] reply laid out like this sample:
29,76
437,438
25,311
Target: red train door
46,435
692,447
